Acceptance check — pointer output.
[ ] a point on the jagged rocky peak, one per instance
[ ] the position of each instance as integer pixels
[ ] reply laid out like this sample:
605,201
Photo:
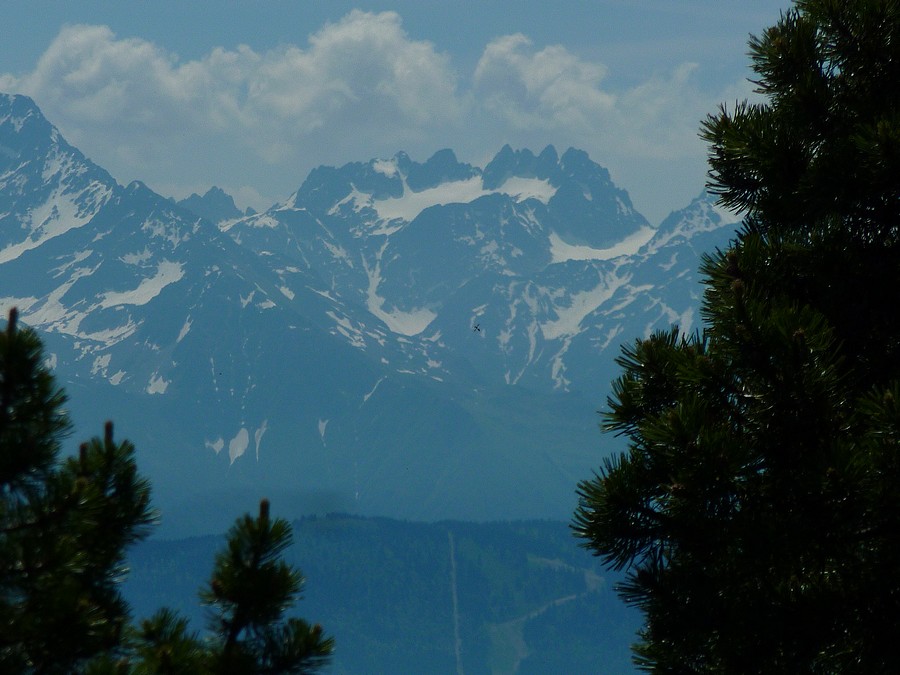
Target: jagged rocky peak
24,131
703,214
28,139
593,180
215,205
521,164
441,167
327,185
380,178
588,207
47,187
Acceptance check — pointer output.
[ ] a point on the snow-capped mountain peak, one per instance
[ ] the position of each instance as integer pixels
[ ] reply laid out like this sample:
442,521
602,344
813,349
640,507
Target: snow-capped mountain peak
408,338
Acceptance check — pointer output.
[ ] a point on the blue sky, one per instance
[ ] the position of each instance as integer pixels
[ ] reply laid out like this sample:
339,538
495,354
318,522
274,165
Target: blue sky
250,96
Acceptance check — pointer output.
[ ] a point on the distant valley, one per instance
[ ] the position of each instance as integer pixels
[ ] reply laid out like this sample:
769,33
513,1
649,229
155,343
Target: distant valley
444,597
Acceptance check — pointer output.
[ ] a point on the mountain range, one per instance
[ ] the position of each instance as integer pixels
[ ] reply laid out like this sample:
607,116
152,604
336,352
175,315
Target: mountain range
418,340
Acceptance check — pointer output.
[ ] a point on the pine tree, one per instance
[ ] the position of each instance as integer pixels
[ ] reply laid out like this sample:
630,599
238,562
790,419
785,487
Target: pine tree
65,525
250,589
756,509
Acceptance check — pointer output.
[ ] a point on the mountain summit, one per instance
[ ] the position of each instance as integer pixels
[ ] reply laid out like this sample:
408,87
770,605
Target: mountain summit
419,340
215,205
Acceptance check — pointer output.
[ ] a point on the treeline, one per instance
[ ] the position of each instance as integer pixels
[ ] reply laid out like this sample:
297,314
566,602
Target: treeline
528,599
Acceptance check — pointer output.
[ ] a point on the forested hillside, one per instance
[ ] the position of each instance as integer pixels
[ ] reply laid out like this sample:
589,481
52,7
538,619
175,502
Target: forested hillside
404,597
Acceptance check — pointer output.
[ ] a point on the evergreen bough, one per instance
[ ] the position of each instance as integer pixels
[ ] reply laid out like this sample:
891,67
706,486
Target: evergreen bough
757,508
65,525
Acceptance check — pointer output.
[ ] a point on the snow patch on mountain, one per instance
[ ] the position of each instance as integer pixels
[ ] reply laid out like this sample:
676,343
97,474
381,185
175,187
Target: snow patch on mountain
258,435
343,326
50,312
569,317
167,273
157,385
77,257
405,323
238,445
367,396
560,251
520,189
726,215
56,216
101,364
411,204
558,366
385,167
110,336
137,258
22,304
185,329
402,322
216,445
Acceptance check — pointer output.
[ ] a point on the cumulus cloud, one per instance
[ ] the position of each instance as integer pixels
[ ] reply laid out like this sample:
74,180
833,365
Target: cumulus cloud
540,89
553,91
361,75
256,122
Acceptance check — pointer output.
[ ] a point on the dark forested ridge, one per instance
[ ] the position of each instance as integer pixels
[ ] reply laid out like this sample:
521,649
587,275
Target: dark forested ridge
526,599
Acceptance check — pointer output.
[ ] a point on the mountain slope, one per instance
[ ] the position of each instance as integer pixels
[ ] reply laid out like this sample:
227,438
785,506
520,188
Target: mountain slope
395,595
418,340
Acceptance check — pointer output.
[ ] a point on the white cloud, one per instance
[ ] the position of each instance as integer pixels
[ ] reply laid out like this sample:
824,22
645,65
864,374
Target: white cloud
553,91
136,102
360,88
542,89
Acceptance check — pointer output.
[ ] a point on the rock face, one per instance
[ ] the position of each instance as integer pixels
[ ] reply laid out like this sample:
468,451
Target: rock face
418,340
215,206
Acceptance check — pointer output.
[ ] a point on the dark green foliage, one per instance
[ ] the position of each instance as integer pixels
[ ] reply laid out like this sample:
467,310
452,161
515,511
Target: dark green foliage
756,508
250,589
163,645
65,525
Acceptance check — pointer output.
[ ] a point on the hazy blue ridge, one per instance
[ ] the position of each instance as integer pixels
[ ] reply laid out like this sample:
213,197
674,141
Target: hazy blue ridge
529,600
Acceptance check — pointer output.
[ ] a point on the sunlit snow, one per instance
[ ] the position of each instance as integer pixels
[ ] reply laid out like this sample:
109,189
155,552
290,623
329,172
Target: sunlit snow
56,216
405,323
385,167
166,273
157,385
246,301
238,445
137,258
101,363
258,435
345,328
369,395
560,251
216,446
184,330
726,215
411,204
581,304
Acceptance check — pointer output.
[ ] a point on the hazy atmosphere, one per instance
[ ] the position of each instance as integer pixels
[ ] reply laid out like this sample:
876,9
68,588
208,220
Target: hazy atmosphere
250,96
430,337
